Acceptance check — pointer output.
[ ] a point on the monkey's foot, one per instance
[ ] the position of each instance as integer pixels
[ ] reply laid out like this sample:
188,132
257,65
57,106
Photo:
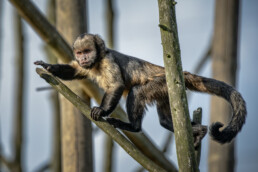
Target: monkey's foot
199,131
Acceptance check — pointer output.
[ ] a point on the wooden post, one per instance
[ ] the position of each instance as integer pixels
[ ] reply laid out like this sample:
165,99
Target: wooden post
224,65
75,128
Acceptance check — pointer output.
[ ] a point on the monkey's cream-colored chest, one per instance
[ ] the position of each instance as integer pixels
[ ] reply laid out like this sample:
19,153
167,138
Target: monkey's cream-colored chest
106,74
98,77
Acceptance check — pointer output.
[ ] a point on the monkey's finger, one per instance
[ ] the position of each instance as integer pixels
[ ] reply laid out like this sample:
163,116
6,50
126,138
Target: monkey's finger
40,62
43,64
96,113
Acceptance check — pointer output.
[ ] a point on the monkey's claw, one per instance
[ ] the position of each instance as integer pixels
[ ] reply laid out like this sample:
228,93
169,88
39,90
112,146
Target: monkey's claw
96,113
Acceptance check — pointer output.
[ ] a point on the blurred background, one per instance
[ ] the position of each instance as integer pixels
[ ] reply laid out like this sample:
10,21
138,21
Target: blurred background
136,33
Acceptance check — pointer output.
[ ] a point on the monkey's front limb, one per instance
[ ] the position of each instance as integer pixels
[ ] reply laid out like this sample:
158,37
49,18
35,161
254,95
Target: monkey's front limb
108,104
62,71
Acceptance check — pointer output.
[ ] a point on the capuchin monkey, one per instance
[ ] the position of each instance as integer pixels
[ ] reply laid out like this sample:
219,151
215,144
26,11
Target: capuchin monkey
144,84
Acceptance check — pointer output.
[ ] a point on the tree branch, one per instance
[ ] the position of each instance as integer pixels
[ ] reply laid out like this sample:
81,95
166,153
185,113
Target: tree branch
102,124
46,31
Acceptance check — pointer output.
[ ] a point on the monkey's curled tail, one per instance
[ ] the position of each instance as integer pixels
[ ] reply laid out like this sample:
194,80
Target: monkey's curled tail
212,86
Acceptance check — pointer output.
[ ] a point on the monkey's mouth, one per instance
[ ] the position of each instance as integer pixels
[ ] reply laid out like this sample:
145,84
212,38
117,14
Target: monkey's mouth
86,63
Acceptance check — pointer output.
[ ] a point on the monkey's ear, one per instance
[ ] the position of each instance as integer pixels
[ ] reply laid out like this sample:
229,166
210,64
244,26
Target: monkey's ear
100,45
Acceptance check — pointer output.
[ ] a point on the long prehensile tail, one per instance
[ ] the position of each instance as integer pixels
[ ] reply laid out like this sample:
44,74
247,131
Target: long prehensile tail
221,89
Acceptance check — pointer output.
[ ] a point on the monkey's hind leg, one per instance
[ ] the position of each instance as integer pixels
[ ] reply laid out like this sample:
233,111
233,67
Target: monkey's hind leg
199,131
135,106
164,113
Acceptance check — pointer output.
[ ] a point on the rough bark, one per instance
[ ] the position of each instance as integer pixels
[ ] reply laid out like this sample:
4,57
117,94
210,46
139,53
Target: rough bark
133,151
76,131
176,86
224,58
64,52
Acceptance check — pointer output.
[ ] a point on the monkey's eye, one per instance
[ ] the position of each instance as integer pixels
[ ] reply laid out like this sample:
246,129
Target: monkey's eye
86,51
78,52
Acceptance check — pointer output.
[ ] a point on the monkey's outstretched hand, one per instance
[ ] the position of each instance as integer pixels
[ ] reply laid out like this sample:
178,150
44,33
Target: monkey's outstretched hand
43,64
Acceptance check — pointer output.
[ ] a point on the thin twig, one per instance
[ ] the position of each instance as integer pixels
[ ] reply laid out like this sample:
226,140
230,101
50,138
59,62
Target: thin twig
204,58
44,88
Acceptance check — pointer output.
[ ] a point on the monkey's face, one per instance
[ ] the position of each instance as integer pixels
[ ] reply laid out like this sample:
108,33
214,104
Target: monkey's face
88,50
85,57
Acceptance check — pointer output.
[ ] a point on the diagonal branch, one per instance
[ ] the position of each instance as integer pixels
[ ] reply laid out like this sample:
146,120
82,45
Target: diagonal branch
102,124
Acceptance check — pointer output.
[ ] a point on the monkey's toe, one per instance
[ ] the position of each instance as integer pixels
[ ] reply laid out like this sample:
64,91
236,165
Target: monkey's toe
199,131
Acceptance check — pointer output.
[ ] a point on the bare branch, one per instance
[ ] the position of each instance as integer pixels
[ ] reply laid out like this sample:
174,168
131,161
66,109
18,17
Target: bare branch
102,124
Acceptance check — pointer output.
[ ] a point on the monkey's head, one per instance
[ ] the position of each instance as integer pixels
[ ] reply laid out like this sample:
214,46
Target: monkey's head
88,49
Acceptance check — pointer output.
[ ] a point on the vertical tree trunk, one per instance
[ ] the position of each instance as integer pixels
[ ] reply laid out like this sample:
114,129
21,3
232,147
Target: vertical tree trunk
56,137
109,143
176,86
76,129
224,56
19,95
